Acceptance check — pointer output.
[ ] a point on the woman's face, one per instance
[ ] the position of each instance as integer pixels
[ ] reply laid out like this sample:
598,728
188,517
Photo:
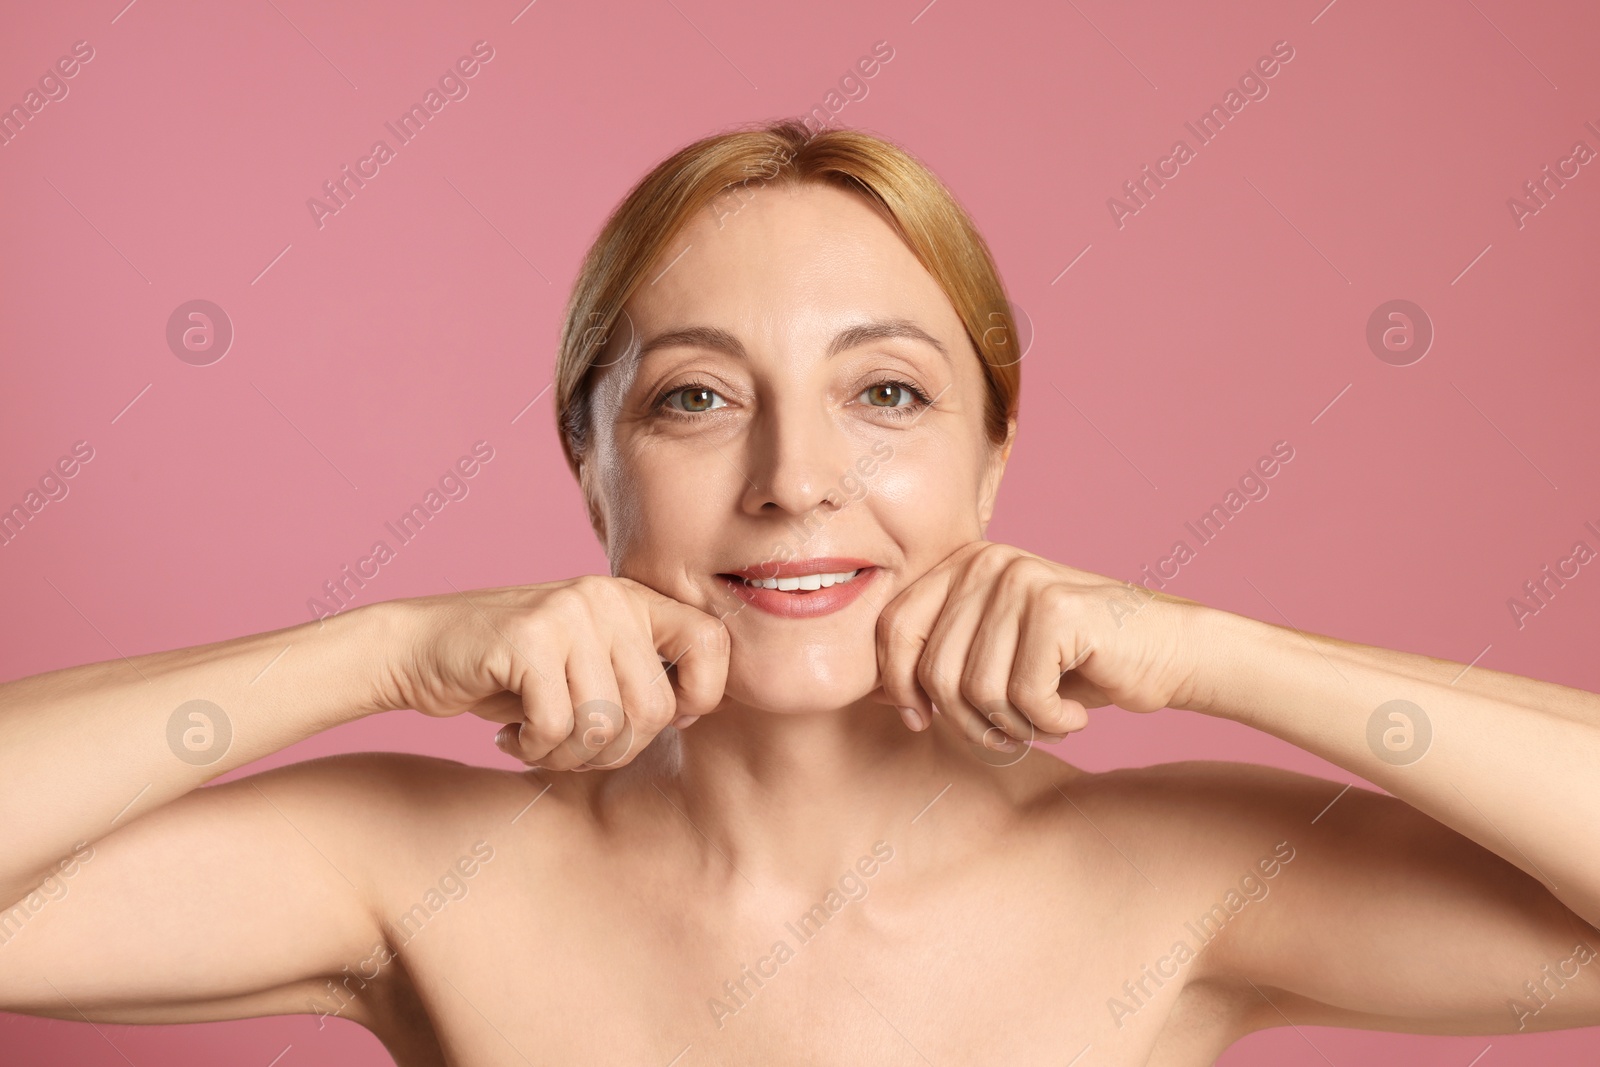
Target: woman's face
746,429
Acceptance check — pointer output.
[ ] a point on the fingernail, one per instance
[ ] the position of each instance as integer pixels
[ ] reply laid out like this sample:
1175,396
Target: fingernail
1050,739
1005,745
910,717
685,720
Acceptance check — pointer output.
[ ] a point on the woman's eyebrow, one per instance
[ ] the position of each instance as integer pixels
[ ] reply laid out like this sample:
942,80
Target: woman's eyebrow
720,340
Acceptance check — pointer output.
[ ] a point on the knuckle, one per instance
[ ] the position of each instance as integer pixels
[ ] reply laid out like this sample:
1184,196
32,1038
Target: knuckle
598,589
983,689
1024,694
535,633
657,707
943,691
713,635
567,601
591,583
1020,573
1060,601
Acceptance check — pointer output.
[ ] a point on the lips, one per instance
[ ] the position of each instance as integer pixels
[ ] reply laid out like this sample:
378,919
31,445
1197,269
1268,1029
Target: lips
800,567
837,582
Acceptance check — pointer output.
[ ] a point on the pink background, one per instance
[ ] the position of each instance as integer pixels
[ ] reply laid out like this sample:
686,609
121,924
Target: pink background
1226,315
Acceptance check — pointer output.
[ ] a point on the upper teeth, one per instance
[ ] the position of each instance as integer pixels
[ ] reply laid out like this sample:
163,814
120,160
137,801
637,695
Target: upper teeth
805,581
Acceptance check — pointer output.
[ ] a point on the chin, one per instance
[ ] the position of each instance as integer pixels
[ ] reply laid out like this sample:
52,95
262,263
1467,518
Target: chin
802,681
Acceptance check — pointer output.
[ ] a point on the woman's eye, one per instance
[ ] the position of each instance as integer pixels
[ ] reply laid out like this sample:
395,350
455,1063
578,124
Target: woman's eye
693,398
889,395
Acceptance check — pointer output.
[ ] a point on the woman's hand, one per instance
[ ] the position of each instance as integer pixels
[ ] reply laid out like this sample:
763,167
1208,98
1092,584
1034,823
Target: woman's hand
580,670
1006,643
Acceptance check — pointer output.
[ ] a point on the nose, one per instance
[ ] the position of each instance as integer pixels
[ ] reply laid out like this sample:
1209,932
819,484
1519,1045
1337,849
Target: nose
795,455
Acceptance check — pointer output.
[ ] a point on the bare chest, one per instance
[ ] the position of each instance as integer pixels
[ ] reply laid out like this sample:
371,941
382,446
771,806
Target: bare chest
992,967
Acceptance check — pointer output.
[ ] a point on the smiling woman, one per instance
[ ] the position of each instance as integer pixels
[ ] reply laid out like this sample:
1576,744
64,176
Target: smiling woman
702,773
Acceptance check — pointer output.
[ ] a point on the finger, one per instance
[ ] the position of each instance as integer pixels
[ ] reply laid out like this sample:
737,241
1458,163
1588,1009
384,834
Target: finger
597,714
902,636
1078,689
989,679
648,703
1036,676
944,661
546,718
978,731
696,647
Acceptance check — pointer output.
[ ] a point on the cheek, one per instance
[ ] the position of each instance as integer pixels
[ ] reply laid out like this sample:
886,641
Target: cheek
926,504
663,512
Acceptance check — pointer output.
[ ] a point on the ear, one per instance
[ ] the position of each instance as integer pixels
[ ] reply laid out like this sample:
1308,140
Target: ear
993,471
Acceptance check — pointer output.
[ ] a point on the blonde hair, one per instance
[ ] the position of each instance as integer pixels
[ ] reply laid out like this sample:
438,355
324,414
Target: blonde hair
911,199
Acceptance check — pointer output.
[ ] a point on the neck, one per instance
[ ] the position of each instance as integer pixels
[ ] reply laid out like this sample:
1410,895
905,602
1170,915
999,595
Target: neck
778,794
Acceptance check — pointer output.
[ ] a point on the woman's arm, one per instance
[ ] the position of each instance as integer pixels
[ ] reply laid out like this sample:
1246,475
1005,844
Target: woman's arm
1510,762
129,895
1004,640
1389,919
1363,913
87,750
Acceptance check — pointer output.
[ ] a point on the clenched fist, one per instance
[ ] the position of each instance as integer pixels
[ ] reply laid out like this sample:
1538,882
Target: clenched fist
584,672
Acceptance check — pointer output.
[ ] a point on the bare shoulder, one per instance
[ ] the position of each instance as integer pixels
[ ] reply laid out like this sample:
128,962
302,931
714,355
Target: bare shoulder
416,834
1200,790
1192,809
1189,835
1342,905
404,828
179,914
394,809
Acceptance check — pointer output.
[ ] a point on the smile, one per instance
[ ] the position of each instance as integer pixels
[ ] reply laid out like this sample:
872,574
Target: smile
801,589
804,583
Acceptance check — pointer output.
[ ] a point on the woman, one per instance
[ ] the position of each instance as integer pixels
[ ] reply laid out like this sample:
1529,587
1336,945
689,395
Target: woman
786,389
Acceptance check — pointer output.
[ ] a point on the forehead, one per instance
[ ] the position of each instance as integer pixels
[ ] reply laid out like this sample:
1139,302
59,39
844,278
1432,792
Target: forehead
785,265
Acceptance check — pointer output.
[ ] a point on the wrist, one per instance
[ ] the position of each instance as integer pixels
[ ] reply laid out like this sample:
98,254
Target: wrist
1220,644
372,646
